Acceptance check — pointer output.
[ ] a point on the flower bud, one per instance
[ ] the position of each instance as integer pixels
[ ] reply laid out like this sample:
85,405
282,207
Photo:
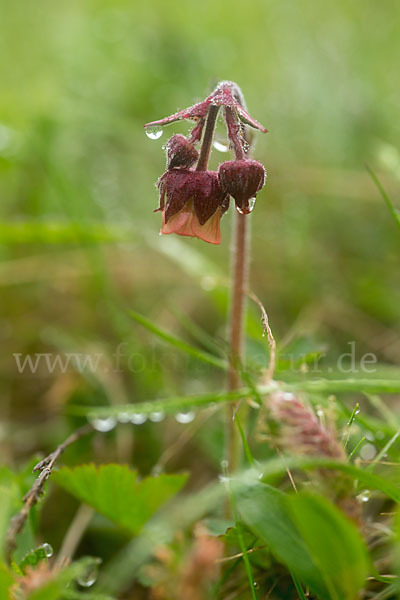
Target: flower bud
242,179
180,152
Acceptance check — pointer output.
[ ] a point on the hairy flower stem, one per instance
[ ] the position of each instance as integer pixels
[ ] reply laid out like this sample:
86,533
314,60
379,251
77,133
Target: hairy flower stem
239,270
239,273
207,138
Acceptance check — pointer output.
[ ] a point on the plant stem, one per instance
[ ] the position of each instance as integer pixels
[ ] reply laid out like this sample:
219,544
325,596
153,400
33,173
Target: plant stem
45,468
207,138
239,253
74,535
239,273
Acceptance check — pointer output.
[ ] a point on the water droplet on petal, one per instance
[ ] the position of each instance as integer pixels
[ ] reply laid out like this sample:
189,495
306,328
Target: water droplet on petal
185,417
220,147
246,210
104,424
364,496
157,416
138,418
89,576
154,133
48,550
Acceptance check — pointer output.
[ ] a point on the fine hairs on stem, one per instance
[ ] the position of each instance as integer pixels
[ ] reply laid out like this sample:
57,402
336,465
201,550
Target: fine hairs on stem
239,278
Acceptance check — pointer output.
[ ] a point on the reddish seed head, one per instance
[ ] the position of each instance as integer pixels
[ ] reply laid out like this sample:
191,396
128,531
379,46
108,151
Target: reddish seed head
242,179
180,152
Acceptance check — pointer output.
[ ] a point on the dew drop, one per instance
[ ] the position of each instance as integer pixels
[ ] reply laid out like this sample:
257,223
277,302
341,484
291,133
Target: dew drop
138,418
185,417
105,424
208,283
157,416
368,451
157,470
248,209
223,478
364,496
124,417
357,411
154,133
220,146
89,576
48,550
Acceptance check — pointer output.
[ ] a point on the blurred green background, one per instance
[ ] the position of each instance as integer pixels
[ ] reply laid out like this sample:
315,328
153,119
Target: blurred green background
80,243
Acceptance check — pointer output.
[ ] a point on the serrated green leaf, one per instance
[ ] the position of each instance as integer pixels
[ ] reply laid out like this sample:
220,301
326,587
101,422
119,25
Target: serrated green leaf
33,557
113,490
333,542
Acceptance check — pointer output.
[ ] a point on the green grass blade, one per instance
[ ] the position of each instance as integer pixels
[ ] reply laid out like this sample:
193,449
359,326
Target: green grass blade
384,450
181,403
178,343
356,447
168,406
58,232
245,443
298,587
392,209
270,470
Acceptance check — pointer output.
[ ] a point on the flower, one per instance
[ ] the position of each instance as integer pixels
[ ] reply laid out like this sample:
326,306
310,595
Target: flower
192,204
242,179
193,199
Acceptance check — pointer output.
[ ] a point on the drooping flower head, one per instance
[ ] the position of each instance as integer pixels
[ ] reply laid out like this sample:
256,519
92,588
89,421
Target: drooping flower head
192,198
192,203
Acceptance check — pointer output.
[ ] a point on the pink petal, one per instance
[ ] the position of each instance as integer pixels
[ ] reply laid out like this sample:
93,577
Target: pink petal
179,223
209,232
